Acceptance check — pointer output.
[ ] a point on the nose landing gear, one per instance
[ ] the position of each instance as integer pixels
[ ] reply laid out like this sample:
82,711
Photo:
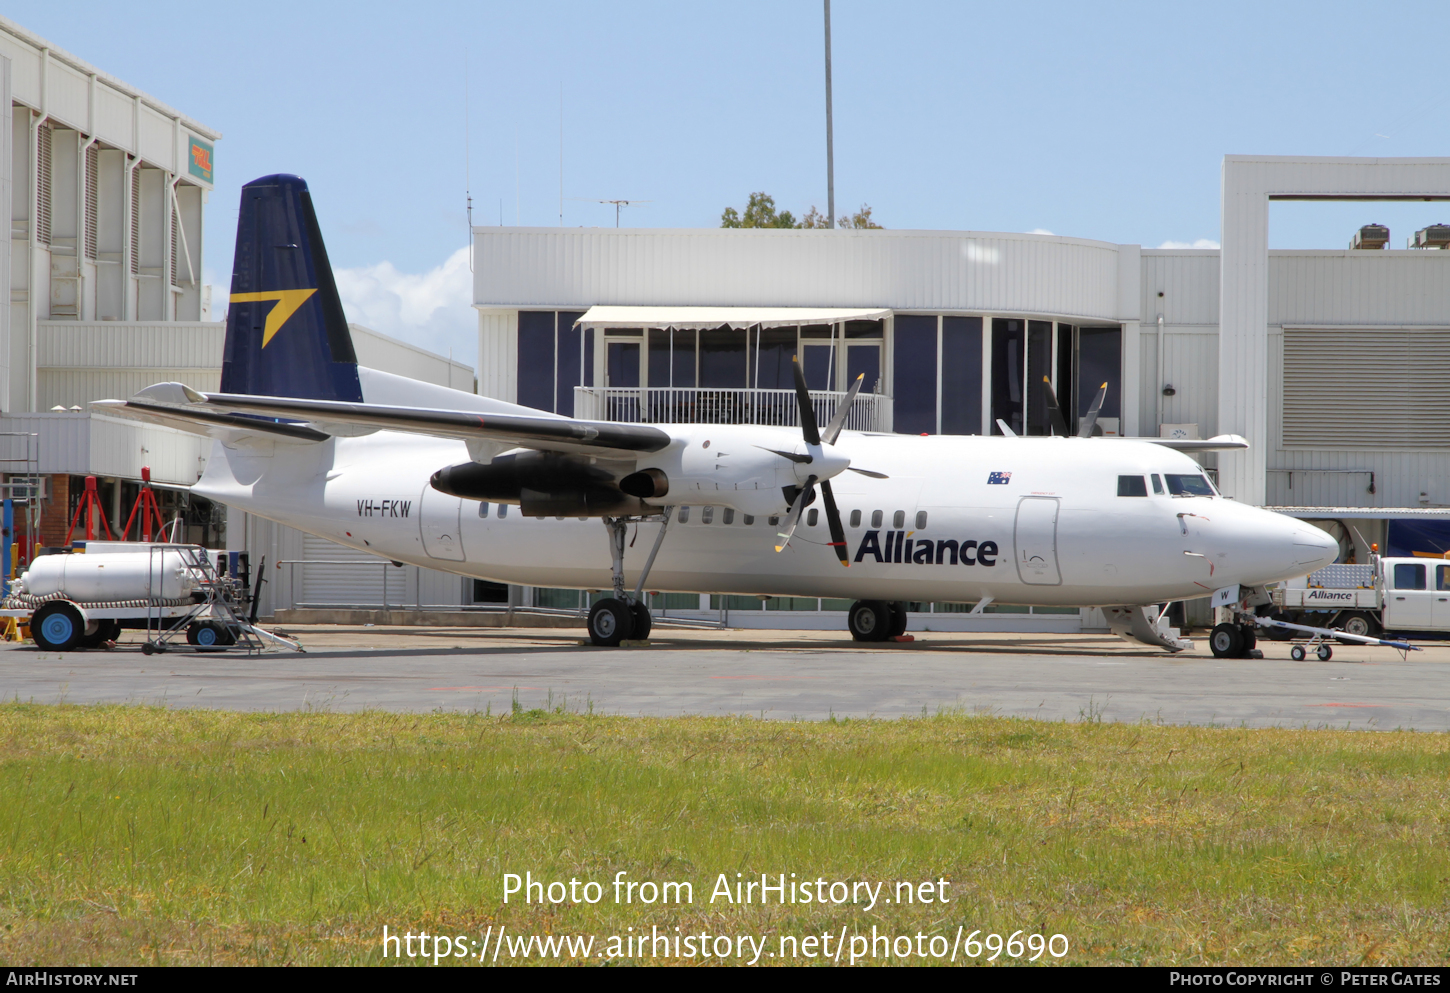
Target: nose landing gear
625,617
1234,641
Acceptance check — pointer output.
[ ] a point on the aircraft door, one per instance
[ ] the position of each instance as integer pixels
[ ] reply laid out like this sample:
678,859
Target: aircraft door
1035,538
438,519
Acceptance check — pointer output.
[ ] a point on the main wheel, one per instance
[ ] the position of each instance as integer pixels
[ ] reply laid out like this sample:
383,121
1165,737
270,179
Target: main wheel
898,618
1249,636
1226,641
1297,653
610,622
642,621
57,626
1325,653
869,620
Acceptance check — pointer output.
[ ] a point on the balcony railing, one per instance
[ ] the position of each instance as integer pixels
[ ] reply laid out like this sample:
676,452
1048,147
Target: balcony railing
869,411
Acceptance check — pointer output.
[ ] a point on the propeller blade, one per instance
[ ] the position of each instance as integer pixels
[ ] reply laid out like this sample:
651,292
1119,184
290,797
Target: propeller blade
838,419
787,526
868,472
1090,419
803,400
1054,411
833,518
795,457
1002,426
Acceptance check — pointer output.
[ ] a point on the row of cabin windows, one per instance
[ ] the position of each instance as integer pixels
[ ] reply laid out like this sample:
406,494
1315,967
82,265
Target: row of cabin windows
1177,484
727,516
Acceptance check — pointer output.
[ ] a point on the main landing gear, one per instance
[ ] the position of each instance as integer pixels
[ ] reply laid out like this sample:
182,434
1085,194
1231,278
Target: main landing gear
625,617
877,620
1234,641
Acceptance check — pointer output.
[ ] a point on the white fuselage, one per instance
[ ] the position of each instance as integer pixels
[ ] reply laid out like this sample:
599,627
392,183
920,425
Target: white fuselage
1022,520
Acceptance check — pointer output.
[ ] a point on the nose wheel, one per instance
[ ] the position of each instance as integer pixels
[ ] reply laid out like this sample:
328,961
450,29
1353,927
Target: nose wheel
1233,641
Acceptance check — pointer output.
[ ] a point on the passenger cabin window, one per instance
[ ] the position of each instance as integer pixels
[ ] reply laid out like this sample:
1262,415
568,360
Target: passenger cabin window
748,520
1442,578
503,511
1132,486
684,515
727,516
707,515
898,519
1409,576
772,521
1188,485
875,518
483,510
1157,484
813,516
855,518
921,520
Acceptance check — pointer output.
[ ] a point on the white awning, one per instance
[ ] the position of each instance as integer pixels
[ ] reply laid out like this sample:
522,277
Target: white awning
714,317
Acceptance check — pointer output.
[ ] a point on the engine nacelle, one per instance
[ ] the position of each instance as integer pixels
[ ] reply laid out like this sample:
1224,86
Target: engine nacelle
541,484
727,465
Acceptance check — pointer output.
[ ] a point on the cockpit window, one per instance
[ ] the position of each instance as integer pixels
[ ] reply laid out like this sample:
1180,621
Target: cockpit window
1157,484
1132,486
1186,485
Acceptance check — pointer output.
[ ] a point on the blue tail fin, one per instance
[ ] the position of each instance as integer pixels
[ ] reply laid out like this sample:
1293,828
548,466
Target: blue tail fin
286,333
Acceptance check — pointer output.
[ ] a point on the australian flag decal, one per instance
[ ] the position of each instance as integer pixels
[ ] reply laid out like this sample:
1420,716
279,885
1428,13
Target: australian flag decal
999,479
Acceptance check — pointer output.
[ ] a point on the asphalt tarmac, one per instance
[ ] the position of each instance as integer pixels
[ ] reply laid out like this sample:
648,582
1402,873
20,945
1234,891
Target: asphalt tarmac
783,675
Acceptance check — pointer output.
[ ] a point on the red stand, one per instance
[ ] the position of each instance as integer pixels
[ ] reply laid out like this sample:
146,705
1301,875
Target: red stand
149,511
90,505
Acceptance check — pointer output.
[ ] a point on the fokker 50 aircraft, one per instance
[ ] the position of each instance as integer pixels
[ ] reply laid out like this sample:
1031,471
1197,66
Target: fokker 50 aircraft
417,473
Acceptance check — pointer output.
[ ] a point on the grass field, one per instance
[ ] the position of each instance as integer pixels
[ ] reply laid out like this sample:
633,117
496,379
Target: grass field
144,835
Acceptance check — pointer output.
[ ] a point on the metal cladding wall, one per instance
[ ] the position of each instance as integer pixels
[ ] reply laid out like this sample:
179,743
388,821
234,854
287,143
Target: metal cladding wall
1188,282
905,270
80,96
1372,299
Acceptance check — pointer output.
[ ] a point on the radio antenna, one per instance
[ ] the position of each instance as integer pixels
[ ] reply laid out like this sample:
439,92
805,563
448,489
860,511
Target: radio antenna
467,164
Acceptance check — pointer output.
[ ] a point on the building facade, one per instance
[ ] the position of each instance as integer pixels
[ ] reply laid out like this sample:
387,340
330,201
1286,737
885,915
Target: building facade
1328,361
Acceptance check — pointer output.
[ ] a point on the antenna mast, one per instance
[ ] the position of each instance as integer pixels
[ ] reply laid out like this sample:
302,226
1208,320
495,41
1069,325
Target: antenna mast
467,165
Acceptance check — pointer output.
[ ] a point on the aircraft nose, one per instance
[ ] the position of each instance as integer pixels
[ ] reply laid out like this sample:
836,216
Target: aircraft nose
1314,549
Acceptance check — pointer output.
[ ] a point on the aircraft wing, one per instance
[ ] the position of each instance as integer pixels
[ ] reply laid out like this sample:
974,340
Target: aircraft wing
1218,443
210,423
335,417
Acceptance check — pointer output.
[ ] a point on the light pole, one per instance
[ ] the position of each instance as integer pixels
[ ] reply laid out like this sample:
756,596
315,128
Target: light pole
830,142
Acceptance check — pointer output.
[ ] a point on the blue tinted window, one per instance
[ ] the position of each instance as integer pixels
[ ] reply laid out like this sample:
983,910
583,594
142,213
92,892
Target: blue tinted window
622,358
864,360
1007,345
536,359
1099,361
1039,368
722,358
913,377
1409,576
572,341
820,367
961,375
771,362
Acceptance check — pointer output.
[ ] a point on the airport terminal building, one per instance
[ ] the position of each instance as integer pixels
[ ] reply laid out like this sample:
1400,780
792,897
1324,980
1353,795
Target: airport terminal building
1331,363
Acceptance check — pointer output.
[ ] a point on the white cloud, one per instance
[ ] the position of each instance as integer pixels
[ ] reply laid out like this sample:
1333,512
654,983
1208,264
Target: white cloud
1200,243
1040,231
432,310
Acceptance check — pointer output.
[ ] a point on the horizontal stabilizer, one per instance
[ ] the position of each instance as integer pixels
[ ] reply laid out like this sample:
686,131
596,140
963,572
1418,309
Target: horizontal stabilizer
1218,443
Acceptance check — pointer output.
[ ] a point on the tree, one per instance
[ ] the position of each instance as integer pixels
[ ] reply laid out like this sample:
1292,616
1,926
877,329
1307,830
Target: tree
859,220
760,212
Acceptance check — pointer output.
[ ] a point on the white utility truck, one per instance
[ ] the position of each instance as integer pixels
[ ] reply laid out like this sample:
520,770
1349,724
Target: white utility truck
1399,595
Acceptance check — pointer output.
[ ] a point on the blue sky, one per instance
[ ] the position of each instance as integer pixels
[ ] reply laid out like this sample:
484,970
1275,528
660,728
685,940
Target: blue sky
1104,121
